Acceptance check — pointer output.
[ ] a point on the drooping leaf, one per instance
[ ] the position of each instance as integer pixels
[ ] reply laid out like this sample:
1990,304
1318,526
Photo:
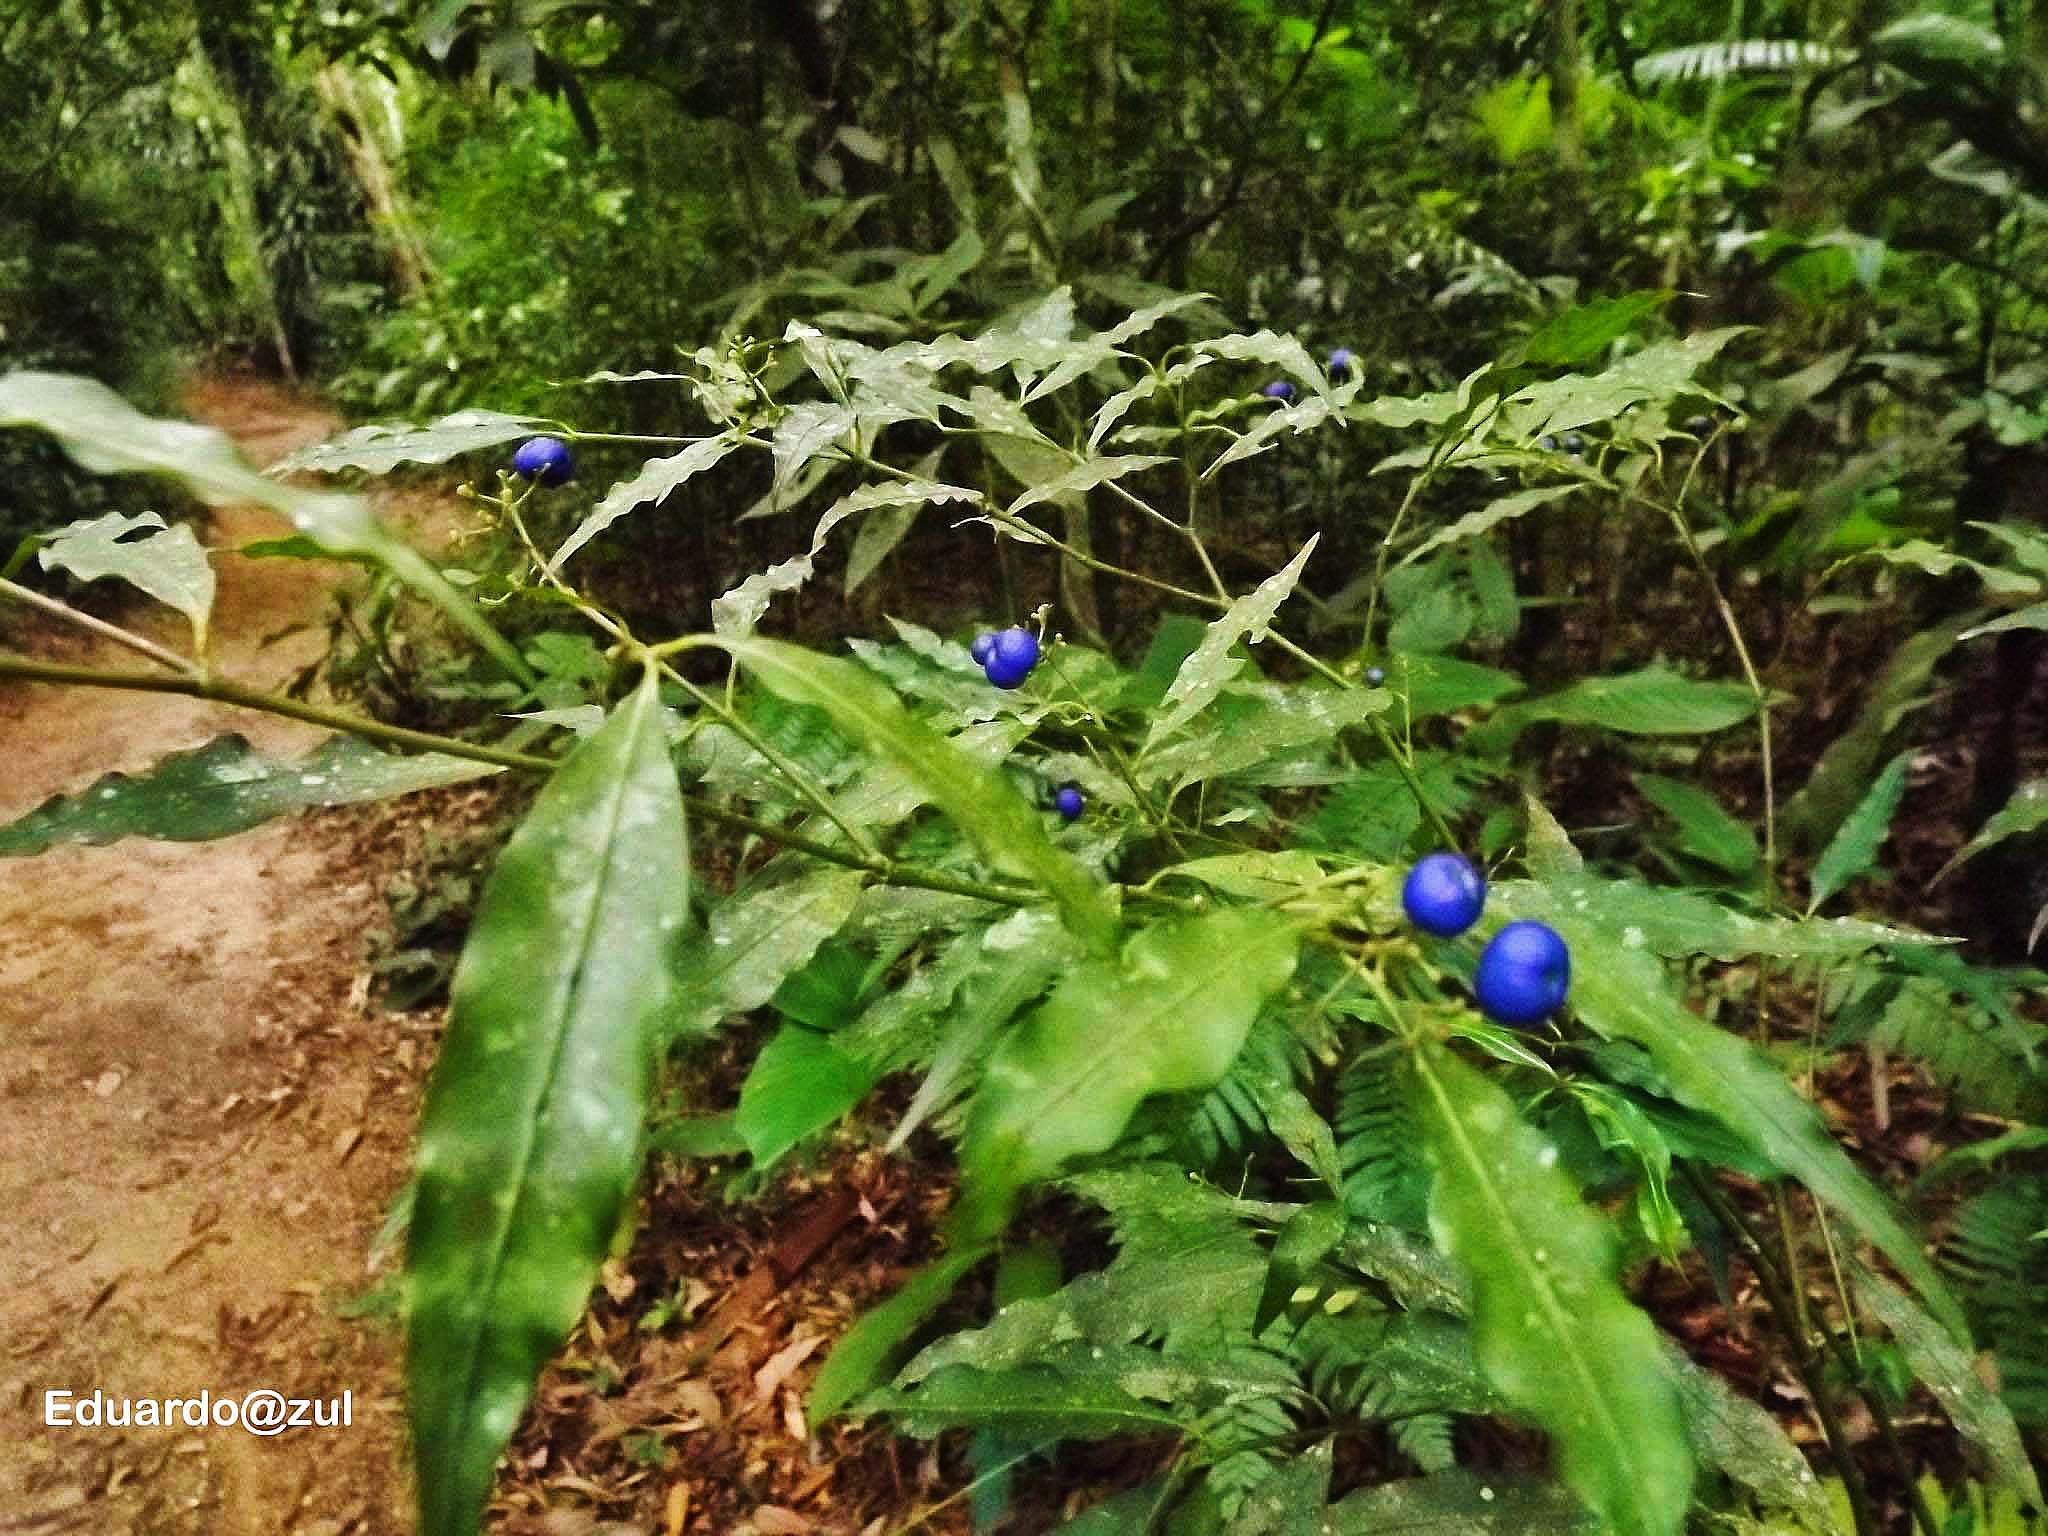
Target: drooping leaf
1741,1440
1553,1328
1977,1412
1620,991
107,435
752,942
1487,518
227,787
1202,676
382,448
2026,810
1676,923
1081,478
1168,1015
860,1360
529,1138
1853,849
169,565
1585,330
1654,701
977,798
656,479
801,1083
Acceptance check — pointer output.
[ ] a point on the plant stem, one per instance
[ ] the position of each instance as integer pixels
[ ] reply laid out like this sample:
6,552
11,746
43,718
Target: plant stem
218,690
29,597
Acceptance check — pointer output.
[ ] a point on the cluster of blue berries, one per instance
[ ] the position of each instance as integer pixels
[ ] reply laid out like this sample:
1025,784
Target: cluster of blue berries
545,459
1005,656
1525,970
1572,443
1342,361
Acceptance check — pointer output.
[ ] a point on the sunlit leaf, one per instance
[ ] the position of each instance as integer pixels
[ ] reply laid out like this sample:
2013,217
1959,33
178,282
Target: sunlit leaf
379,449
169,565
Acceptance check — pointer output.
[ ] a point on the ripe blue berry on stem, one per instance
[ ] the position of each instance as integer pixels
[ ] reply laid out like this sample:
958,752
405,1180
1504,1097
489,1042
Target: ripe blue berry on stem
1374,676
1443,894
1067,801
1012,654
984,646
1279,389
1340,363
545,459
1523,973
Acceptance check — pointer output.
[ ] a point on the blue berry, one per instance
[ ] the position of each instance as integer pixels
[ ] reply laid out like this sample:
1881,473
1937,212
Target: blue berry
984,647
1279,389
1341,362
545,459
1067,802
1573,444
1374,676
1443,894
1547,443
1523,974
1012,653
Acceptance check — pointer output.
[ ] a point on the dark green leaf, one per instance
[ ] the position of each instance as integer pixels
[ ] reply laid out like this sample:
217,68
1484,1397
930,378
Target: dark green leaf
1309,1235
1705,830
529,1138
1853,849
801,1083
860,1360
1461,1503
1586,330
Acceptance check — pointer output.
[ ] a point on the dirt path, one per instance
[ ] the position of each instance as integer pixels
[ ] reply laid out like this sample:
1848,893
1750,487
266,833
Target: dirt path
202,1124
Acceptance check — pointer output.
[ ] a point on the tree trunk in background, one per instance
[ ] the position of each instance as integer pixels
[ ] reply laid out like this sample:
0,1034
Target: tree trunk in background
361,123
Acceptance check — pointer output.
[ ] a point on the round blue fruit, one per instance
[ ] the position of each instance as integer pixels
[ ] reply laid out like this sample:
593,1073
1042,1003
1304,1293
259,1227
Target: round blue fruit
1279,389
1341,362
1011,651
1067,802
1374,676
1573,444
984,647
1443,894
545,459
1523,974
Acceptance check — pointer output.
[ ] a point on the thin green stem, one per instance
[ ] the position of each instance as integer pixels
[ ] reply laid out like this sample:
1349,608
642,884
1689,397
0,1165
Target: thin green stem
142,646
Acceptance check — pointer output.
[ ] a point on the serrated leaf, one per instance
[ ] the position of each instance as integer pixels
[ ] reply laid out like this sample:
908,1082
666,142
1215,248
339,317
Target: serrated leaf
1081,478
107,435
1292,1501
1553,1329
2026,810
752,942
1853,849
1202,676
1308,414
809,429
1621,992
1937,561
380,449
1489,517
1588,329
1658,372
1166,1016
1977,1412
977,797
657,477
1461,1503
227,787
529,1138
800,1084
1117,406
169,565
1705,830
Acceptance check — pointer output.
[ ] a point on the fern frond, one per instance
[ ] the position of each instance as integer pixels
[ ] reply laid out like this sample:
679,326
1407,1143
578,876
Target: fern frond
1227,1121
1749,55
1379,1149
1974,1044
1998,1253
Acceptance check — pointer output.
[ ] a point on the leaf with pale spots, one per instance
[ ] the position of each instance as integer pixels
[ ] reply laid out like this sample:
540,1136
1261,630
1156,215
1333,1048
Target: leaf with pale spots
227,787
530,1137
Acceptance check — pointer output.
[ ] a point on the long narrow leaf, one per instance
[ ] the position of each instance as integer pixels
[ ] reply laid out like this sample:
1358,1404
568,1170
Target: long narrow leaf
529,1141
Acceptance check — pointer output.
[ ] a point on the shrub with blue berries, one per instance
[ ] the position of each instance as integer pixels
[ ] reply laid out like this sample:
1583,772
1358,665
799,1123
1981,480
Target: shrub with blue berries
545,459
1444,894
1279,389
1523,973
1012,653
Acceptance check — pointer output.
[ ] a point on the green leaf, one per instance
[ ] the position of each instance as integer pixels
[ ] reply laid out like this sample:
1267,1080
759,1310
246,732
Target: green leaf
1292,1501
382,448
1032,1403
801,1084
108,436
1168,1015
2026,810
1853,849
227,787
1077,480
753,940
1553,1329
1705,830
656,479
168,565
1976,1411
1202,676
1461,1503
529,1139
1586,330
1659,372
860,1360
1937,561
1654,701
1489,517
1742,1441
1309,1235
980,801
1621,992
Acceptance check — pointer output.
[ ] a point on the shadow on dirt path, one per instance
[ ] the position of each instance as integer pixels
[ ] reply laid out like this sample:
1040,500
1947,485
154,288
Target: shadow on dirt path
202,1123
